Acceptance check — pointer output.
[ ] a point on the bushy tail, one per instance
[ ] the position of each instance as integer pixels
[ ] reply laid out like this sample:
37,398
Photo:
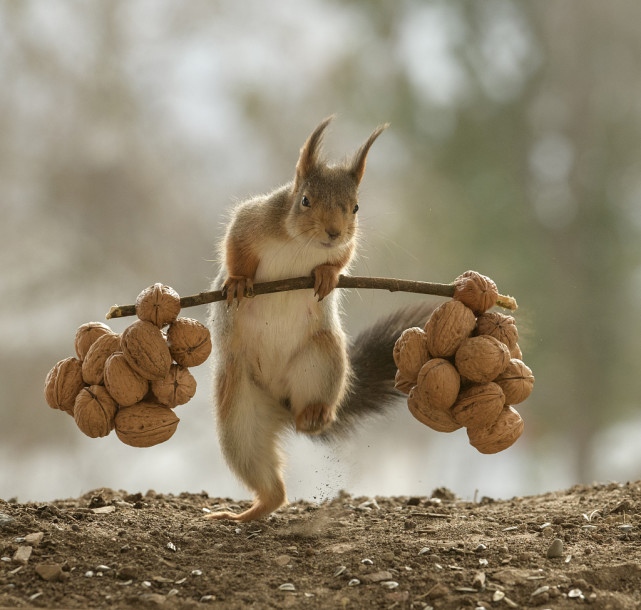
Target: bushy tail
371,356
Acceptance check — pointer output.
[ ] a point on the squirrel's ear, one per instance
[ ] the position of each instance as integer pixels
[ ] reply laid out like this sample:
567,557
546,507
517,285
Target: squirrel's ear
309,152
357,167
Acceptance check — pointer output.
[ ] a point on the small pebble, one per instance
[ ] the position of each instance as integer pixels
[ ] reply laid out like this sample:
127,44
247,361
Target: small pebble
89,574
367,562
498,596
51,572
540,590
389,584
196,572
6,519
207,598
574,593
555,549
171,546
22,555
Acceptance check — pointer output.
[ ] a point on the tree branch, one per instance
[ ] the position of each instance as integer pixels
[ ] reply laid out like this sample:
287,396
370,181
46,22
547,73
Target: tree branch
301,283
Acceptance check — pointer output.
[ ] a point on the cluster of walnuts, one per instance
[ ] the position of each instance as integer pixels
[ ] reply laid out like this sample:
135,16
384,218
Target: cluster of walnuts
465,368
131,381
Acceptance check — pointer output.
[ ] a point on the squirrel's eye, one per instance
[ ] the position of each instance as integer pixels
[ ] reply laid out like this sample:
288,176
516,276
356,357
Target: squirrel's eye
355,209
305,202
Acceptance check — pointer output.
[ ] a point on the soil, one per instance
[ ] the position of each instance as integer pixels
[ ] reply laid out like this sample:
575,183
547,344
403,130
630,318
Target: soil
111,549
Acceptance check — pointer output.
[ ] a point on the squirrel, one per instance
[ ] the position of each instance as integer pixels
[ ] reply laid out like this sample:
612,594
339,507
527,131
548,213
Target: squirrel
283,359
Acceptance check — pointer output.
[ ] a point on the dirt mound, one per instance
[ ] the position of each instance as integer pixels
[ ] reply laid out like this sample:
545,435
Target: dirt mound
119,550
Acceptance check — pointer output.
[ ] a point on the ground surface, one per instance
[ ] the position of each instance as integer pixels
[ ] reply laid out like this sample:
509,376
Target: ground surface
114,550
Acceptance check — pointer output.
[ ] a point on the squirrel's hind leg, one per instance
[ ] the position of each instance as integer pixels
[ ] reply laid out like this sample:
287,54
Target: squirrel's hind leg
318,378
249,424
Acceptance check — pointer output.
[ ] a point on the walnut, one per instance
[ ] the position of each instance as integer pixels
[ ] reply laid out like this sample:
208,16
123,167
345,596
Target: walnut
145,424
123,383
63,384
437,419
500,435
146,350
93,366
447,327
516,381
402,383
516,352
438,384
499,326
87,334
481,359
476,291
95,411
158,304
176,389
410,352
189,342
478,406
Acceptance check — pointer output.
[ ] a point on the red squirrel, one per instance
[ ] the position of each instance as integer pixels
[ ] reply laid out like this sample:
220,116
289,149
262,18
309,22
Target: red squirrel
283,359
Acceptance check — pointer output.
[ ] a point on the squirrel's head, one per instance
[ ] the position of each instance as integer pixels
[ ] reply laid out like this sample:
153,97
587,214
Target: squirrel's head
324,198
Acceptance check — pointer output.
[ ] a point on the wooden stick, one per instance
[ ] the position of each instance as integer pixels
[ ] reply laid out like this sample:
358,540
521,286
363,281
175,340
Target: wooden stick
301,283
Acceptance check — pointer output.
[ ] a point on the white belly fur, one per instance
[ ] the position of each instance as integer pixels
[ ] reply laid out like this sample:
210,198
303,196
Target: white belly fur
276,326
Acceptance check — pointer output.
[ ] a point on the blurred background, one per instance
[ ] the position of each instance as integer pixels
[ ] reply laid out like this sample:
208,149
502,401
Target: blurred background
130,127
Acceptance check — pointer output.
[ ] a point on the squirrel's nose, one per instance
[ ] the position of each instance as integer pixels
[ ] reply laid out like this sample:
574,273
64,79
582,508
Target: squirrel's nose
332,233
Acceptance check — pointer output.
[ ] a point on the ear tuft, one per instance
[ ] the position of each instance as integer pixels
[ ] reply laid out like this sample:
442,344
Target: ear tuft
309,152
357,167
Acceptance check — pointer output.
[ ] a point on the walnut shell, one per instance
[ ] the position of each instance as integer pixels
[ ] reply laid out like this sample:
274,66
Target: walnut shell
500,435
95,411
93,366
481,359
158,304
516,352
499,326
516,381
411,353
176,389
437,419
63,384
87,334
448,326
402,383
476,291
478,406
146,350
145,424
123,383
438,384
189,342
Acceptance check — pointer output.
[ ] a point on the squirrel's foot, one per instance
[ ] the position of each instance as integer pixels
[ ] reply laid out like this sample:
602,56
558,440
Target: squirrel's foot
325,280
237,287
260,508
315,418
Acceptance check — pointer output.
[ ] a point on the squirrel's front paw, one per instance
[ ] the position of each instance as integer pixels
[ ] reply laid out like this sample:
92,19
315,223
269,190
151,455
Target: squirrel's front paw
325,280
237,287
314,419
